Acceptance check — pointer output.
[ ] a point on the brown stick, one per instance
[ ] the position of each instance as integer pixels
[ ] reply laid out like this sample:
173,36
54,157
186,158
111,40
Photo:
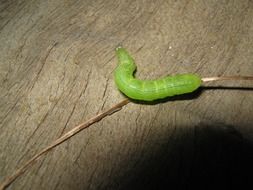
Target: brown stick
60,140
8,180
209,79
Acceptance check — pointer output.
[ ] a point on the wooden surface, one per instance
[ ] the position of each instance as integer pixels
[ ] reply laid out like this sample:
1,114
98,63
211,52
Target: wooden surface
56,64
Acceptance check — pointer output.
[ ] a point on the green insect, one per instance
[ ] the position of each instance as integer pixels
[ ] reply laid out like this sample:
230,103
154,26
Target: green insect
149,90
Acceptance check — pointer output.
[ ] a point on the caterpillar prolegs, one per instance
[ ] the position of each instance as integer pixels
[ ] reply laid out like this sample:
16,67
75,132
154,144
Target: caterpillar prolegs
149,90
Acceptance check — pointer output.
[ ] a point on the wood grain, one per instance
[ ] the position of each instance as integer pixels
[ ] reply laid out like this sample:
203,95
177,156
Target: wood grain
56,63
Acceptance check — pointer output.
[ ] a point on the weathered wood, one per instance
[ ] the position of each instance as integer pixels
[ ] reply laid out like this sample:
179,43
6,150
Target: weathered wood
56,63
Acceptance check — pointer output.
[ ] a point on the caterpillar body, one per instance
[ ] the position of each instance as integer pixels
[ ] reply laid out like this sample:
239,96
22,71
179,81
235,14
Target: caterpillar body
149,90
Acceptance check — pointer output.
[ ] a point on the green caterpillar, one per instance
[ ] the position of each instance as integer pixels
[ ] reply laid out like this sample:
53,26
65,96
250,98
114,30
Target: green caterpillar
149,90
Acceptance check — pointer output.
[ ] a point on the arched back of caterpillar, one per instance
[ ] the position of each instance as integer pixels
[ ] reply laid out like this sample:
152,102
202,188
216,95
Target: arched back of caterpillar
149,90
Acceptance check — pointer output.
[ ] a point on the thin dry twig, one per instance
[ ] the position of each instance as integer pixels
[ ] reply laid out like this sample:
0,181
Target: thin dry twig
209,79
60,140
8,180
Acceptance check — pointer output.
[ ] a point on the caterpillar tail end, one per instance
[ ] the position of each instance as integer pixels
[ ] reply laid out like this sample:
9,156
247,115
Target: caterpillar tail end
119,46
